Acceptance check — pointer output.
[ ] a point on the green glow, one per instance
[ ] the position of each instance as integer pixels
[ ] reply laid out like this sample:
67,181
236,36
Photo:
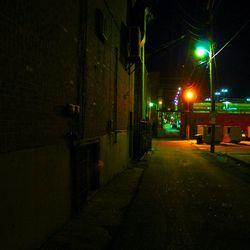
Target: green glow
202,49
151,104
200,52
222,107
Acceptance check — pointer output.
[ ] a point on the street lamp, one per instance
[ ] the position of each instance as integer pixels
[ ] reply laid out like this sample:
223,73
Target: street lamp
151,104
224,92
189,96
201,52
176,99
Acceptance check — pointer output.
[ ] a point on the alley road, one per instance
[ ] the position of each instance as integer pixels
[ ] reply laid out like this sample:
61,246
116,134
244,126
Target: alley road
188,199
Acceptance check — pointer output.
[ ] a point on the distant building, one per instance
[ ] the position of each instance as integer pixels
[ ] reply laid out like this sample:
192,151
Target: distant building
228,114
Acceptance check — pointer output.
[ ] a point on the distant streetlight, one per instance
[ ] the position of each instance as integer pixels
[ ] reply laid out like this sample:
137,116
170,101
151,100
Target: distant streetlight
176,99
189,96
151,104
224,93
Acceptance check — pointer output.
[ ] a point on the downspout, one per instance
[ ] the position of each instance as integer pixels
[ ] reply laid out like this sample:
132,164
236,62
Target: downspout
142,44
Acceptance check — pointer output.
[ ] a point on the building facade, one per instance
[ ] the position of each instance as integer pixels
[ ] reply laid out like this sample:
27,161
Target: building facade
228,115
67,106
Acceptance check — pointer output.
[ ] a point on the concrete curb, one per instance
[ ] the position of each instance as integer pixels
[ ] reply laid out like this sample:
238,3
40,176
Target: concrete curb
229,156
233,158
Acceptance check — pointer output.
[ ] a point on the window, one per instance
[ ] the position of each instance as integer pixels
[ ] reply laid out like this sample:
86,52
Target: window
101,25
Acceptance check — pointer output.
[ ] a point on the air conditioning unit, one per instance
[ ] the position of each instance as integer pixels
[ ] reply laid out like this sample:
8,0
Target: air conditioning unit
134,48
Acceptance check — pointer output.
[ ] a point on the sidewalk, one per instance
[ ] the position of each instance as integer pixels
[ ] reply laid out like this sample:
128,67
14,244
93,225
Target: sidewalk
99,220
230,150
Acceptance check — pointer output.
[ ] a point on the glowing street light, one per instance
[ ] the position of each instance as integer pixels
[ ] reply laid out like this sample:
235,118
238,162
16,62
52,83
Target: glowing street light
176,99
151,104
189,96
210,51
201,52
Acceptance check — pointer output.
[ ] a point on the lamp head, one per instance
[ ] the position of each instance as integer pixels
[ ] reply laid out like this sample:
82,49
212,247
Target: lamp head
200,52
202,49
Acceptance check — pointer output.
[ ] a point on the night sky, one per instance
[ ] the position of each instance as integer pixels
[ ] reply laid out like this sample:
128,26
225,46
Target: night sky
179,24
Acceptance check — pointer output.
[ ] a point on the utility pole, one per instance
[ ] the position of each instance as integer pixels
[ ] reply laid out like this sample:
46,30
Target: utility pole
211,55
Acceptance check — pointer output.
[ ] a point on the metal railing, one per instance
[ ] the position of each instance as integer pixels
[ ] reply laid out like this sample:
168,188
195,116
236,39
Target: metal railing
142,139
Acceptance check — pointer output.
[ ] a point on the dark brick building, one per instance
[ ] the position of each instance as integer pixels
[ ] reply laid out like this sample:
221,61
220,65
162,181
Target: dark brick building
66,110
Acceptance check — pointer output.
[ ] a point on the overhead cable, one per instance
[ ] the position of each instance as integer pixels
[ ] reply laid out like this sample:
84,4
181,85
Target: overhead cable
231,39
188,15
166,45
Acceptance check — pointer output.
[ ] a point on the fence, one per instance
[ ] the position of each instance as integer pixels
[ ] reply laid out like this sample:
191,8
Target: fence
142,139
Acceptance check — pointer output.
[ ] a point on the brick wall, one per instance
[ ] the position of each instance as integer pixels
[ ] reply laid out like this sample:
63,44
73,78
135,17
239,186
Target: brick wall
107,91
40,74
38,54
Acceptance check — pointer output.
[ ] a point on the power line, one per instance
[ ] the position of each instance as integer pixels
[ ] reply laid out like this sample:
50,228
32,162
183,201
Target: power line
167,45
231,39
191,25
183,10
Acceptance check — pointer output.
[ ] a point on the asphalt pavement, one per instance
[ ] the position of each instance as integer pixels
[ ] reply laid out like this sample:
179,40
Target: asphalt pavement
101,222
188,199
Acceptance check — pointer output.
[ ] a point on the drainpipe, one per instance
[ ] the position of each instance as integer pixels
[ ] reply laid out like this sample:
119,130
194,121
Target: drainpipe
146,12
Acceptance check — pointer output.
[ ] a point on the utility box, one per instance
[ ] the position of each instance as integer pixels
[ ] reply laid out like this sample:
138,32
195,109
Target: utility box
232,134
207,131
